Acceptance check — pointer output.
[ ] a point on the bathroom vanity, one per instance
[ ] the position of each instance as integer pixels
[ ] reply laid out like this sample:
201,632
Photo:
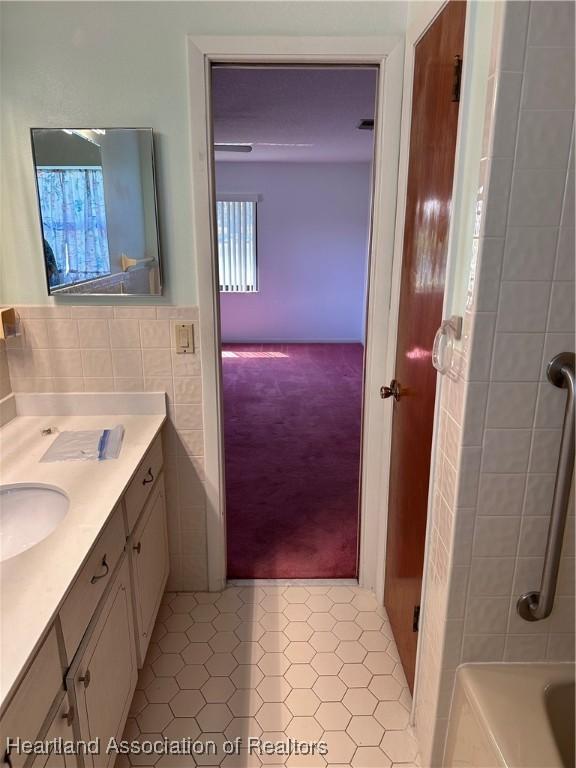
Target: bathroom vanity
78,608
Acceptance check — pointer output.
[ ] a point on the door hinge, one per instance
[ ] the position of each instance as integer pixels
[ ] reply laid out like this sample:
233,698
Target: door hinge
416,619
457,78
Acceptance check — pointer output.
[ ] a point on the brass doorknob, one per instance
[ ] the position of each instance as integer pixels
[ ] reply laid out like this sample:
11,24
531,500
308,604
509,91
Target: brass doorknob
392,391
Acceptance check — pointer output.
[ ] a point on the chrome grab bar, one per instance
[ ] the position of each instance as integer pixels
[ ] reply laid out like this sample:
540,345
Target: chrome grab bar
534,606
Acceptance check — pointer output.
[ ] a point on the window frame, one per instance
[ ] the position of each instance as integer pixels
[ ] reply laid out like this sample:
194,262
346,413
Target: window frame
239,197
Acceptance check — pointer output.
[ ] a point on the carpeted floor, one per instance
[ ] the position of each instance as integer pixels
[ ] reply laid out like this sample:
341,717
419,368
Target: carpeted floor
292,417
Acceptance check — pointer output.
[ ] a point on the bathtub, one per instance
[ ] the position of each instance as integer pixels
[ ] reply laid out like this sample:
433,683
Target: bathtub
512,716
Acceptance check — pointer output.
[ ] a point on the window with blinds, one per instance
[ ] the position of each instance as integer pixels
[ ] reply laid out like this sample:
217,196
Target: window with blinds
237,268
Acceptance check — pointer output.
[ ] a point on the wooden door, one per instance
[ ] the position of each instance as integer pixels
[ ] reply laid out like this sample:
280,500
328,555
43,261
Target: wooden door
429,196
103,676
150,565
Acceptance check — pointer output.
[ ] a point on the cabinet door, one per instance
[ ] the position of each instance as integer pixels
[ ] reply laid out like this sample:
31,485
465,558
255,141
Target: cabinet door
104,673
33,701
60,728
149,557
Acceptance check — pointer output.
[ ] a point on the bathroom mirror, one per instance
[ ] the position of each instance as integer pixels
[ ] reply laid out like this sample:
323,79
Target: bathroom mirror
97,202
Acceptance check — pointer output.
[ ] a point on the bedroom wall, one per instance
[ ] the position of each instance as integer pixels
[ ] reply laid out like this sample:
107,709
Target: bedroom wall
312,225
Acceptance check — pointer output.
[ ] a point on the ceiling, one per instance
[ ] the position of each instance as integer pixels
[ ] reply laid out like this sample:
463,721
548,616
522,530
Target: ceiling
293,114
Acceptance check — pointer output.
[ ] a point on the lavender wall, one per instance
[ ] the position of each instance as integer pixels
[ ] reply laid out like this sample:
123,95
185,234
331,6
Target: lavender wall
312,251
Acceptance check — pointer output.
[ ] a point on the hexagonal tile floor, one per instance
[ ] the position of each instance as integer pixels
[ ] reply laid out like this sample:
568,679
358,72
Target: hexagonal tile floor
309,663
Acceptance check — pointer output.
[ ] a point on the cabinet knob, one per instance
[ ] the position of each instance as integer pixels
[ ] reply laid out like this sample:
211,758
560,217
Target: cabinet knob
137,547
85,678
69,716
149,477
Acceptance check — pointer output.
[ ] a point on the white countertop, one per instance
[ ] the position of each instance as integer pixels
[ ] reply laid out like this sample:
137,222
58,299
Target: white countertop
34,583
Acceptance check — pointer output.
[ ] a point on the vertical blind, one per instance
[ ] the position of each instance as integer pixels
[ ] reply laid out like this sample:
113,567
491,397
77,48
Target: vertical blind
236,221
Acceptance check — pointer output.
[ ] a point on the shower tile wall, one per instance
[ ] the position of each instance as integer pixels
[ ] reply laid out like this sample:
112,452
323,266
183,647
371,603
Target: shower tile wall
501,420
5,386
128,349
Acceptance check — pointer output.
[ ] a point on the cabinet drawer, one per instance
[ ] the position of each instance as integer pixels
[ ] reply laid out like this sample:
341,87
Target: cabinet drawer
89,587
142,482
32,701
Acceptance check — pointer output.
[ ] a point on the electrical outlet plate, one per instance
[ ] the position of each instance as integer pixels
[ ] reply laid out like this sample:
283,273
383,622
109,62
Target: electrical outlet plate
184,338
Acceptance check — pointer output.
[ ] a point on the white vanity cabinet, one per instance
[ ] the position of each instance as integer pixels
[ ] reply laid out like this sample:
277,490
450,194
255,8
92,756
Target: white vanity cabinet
102,679
80,683
150,566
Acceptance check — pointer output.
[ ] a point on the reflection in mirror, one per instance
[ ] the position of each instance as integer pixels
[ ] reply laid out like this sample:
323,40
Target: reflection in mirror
97,200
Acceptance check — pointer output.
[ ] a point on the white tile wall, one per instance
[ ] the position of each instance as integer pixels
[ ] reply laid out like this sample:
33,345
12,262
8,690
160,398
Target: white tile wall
520,312
127,349
5,385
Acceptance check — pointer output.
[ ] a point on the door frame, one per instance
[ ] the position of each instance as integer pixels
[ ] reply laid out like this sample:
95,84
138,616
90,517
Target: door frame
387,53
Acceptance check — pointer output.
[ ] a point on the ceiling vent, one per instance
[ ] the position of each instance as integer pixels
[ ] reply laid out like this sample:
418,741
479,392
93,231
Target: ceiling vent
366,125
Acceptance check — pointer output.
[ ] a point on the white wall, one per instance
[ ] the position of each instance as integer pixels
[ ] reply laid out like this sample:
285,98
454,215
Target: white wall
123,197
60,149
313,221
124,64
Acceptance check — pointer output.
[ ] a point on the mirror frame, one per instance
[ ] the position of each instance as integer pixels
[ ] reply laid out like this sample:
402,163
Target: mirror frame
110,296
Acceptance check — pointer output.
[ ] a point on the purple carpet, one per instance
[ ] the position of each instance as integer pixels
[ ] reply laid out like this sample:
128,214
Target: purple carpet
292,417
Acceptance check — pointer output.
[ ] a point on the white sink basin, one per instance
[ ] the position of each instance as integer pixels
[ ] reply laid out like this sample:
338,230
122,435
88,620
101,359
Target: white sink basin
28,514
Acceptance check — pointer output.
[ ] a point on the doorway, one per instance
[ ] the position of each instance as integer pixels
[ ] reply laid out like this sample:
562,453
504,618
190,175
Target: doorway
387,55
293,185
434,126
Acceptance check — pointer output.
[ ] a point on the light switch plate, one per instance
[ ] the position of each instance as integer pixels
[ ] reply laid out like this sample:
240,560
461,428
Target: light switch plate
184,338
